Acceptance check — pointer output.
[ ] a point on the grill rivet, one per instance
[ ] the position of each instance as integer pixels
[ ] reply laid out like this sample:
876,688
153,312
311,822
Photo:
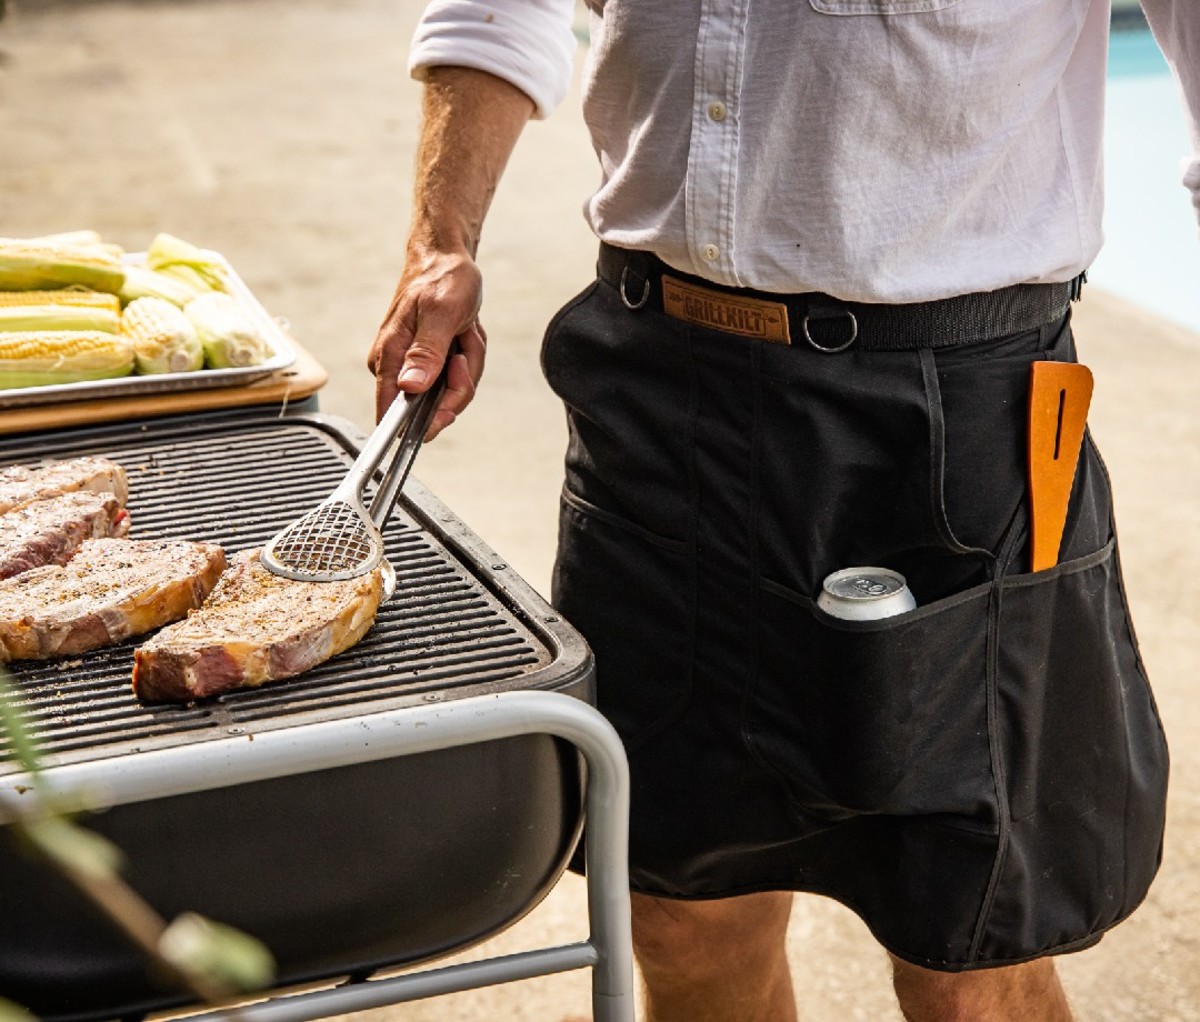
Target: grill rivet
550,619
499,567
432,697
237,730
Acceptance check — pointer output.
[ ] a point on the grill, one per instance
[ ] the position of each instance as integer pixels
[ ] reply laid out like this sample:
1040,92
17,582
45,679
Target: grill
355,818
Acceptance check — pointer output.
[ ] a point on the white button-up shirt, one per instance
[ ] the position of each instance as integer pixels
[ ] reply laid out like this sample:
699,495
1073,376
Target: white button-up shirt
875,150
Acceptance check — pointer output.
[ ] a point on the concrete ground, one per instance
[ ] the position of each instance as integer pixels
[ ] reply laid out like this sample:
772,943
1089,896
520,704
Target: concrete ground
281,132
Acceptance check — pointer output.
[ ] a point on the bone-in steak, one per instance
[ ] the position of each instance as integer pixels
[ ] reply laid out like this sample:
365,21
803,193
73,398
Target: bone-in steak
255,627
50,531
111,589
20,486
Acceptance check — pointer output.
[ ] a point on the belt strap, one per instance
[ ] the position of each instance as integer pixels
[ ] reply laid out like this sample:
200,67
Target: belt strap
828,323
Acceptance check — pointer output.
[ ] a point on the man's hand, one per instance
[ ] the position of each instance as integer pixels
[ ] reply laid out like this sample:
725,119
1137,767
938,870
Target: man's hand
472,121
436,300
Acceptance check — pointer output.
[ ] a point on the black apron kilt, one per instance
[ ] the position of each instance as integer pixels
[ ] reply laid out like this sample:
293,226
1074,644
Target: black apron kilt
983,779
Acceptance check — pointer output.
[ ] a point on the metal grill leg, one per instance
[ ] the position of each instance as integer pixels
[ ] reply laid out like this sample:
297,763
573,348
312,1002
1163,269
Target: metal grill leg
608,951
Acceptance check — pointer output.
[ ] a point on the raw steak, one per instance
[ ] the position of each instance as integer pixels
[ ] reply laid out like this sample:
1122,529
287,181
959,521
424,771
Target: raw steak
50,531
20,486
111,589
255,627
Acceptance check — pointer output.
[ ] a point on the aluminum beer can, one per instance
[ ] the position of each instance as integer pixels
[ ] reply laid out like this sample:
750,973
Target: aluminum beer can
865,594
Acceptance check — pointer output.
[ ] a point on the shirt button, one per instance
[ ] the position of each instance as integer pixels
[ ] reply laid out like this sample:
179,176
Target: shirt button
717,111
710,253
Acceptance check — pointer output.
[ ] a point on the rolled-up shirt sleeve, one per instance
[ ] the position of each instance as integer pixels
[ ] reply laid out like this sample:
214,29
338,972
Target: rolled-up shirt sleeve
1176,27
528,43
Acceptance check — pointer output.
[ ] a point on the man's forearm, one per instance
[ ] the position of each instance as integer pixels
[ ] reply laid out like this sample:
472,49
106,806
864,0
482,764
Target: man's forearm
472,120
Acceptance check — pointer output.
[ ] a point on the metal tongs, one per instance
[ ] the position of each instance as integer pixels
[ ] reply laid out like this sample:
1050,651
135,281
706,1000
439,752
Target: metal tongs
339,538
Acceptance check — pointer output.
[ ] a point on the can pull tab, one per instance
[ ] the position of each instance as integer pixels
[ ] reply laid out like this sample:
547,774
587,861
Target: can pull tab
870,587
1059,396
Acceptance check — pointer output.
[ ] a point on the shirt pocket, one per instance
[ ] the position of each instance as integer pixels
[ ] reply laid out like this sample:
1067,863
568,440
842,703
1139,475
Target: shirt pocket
881,7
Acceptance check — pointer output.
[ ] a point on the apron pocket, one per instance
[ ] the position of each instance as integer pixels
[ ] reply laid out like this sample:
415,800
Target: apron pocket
886,716
1085,759
631,594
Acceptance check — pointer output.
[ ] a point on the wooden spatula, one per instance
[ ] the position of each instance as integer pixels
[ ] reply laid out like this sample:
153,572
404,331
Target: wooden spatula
1059,396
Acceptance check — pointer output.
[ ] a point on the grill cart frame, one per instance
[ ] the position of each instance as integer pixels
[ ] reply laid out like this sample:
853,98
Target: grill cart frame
206,766
468,683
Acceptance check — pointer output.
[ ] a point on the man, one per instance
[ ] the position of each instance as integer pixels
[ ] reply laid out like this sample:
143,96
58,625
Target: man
836,237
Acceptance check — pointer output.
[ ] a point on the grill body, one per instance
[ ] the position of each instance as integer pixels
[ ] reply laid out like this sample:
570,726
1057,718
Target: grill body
339,870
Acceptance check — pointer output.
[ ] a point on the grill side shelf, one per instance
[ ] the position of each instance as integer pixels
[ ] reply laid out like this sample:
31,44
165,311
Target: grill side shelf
456,627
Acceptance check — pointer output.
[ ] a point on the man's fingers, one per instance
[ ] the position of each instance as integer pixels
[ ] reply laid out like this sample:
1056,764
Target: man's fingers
385,393
437,299
441,419
385,361
460,391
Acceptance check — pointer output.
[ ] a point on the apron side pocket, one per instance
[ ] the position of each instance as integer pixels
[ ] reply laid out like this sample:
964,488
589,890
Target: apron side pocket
1085,761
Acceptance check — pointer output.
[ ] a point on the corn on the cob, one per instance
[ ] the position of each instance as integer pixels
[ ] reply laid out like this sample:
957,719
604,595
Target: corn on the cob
142,282
84,237
50,357
164,339
31,265
63,296
59,310
231,338
181,259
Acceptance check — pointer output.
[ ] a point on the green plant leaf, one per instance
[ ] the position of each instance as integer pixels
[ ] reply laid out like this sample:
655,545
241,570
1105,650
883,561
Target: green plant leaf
10,1012
14,726
224,956
73,846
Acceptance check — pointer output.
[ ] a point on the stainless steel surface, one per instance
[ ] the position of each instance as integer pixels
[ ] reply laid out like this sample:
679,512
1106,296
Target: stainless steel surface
339,539
283,355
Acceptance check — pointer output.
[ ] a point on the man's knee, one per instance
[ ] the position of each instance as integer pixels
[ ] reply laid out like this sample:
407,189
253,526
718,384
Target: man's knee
700,939
1030,991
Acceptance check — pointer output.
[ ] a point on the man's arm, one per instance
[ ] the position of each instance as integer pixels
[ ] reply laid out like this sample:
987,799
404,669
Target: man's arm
472,120
1176,27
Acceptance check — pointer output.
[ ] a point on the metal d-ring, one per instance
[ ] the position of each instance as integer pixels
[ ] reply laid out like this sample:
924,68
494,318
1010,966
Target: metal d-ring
634,306
841,347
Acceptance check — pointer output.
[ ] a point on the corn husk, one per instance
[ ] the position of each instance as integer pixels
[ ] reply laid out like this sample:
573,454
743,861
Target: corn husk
143,282
184,261
58,310
37,359
231,337
36,265
82,237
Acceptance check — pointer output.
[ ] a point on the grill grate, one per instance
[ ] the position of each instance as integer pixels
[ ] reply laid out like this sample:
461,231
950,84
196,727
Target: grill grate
237,481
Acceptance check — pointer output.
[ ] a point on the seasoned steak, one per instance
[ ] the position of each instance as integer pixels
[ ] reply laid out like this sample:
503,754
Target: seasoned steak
255,627
50,531
111,589
20,486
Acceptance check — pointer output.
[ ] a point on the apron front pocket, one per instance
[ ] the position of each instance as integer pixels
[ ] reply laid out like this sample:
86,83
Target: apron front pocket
869,717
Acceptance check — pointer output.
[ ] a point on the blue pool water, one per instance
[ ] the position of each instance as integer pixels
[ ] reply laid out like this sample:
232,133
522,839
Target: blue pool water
1151,254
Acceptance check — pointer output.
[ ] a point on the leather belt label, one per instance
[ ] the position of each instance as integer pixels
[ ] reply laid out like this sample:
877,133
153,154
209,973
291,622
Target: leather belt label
748,317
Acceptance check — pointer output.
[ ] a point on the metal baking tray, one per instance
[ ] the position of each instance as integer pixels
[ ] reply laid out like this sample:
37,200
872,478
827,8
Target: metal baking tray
283,355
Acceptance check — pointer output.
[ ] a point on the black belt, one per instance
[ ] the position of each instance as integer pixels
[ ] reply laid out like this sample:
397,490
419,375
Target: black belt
827,323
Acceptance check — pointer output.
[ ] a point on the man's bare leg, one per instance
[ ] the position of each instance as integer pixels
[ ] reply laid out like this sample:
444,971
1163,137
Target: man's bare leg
715,961
1015,993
